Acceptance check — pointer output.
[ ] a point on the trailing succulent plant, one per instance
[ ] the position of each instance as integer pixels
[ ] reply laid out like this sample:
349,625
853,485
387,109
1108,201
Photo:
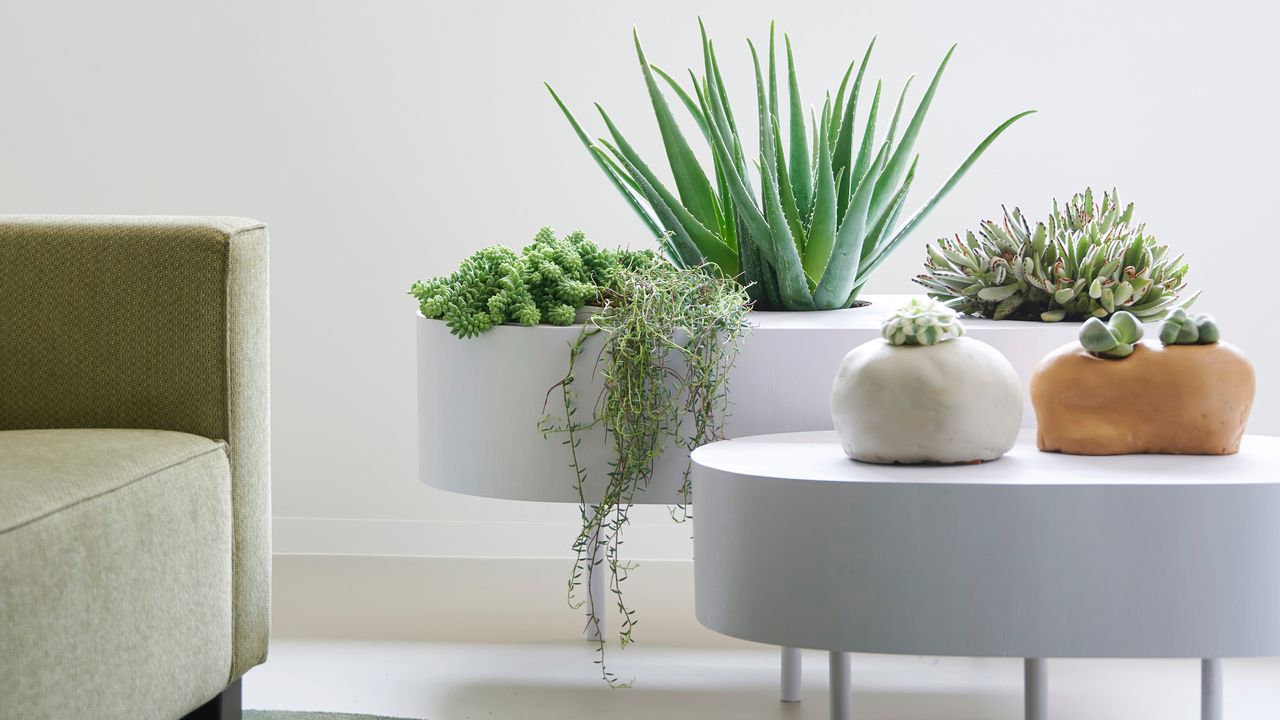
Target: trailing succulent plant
546,282
827,211
1183,328
1087,260
921,322
666,338
1114,338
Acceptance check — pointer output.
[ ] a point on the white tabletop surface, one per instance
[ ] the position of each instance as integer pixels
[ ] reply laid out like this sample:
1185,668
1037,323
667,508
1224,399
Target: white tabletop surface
817,457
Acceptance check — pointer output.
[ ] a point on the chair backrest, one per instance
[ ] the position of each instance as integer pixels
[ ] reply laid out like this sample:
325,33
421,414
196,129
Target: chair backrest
149,322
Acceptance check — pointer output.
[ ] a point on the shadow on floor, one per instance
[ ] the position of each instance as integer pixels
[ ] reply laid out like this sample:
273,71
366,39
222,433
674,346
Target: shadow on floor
543,702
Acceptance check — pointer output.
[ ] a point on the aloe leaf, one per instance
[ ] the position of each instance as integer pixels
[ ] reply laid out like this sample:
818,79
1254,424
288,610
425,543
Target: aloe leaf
687,100
681,247
613,164
764,115
897,111
842,269
773,76
744,205
868,139
842,156
884,225
834,128
711,246
604,167
882,231
898,163
801,180
960,171
822,228
785,194
793,286
691,180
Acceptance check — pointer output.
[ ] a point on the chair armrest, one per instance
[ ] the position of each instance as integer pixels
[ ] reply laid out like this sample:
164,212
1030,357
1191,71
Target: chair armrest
149,322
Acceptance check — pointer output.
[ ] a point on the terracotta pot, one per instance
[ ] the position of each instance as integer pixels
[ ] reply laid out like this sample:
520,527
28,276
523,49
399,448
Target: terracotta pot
1180,399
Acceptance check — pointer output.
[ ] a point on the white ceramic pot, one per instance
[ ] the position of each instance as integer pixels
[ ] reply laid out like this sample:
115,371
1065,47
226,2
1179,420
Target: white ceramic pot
957,401
480,399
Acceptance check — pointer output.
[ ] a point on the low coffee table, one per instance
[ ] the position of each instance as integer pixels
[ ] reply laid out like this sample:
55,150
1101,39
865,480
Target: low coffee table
1036,555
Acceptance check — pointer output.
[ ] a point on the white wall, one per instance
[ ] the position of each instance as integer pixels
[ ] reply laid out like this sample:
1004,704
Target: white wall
383,141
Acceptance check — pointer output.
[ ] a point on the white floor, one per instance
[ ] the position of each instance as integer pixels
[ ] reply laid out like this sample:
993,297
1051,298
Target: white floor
429,681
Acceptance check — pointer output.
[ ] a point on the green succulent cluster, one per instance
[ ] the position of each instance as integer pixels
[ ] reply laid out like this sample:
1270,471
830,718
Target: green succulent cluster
546,282
921,322
1115,338
1182,328
831,186
1088,260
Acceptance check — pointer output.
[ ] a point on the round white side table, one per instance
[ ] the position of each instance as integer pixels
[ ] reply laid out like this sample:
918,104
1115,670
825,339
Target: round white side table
1035,555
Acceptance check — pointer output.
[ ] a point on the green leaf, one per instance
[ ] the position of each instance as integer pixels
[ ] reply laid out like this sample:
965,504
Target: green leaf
959,173
787,198
898,163
604,167
801,180
868,138
842,269
691,181
834,128
710,246
793,286
687,100
822,228
842,156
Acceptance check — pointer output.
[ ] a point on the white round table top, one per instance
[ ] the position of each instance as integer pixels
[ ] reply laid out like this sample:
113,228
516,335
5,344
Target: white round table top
1032,555
817,457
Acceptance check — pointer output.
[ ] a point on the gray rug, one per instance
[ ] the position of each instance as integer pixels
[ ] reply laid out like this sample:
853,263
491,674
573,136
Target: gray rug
297,715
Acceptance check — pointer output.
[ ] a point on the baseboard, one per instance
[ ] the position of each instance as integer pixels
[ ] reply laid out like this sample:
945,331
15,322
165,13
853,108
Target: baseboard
652,535
466,599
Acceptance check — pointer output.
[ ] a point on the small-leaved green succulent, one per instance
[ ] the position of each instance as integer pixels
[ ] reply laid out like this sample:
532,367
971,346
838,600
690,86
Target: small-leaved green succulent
1114,338
547,282
1183,328
921,322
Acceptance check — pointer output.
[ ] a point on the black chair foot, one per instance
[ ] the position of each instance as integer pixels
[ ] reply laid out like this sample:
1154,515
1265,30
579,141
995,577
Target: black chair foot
226,706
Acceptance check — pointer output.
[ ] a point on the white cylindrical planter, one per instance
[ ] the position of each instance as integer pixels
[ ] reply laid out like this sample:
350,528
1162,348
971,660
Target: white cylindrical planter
491,390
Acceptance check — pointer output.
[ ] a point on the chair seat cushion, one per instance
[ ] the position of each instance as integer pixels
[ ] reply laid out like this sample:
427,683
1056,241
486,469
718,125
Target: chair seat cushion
44,471
115,573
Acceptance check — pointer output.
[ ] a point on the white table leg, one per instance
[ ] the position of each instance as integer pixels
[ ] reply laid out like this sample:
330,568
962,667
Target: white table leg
596,574
841,687
1035,688
1211,689
791,664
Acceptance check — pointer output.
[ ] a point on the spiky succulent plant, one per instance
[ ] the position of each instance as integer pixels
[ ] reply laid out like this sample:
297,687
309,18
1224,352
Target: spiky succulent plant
1182,328
1114,338
1088,260
921,322
546,282
827,211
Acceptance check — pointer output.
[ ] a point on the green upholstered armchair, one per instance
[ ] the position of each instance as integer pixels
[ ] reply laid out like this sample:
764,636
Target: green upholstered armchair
135,553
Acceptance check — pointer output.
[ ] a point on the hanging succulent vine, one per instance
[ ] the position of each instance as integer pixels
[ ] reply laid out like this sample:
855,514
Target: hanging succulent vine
669,337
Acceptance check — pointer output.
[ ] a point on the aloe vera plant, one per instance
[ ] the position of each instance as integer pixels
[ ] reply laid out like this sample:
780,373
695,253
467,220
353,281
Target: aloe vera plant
831,193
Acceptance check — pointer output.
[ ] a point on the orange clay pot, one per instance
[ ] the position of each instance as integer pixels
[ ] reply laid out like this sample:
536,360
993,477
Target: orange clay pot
1179,399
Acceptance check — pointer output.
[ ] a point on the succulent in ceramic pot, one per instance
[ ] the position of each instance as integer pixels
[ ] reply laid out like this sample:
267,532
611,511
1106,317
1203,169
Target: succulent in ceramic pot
1113,393
924,393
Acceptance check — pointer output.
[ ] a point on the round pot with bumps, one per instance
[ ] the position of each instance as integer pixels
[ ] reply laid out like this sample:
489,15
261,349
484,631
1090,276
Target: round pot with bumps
923,393
1111,393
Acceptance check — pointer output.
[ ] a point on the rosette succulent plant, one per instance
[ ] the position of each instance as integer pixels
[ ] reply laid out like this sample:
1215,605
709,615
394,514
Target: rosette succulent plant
826,215
1182,328
547,282
1114,338
921,322
1088,260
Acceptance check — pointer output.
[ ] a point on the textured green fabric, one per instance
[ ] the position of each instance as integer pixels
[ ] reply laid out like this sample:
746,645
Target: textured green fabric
149,323
115,573
304,715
